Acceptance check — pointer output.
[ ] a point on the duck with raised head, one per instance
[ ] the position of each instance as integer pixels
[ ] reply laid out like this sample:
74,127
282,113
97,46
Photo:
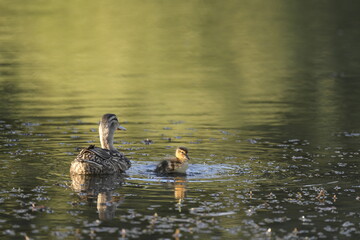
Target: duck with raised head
179,164
105,160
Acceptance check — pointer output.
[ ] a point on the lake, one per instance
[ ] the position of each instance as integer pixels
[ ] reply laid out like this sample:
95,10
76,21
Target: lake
264,94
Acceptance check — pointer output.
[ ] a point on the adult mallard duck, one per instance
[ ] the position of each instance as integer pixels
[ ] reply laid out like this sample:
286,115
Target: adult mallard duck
104,160
179,164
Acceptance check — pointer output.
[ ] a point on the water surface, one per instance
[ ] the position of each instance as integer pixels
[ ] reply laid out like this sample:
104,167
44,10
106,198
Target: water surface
264,94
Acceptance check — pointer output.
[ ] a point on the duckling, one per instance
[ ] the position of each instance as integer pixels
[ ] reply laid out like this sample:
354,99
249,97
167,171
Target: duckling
105,160
179,164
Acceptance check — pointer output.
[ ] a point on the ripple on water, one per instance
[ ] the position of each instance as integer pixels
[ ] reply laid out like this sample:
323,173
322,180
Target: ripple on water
144,171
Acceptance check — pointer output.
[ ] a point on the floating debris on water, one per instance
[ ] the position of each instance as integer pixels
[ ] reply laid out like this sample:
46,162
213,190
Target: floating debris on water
147,141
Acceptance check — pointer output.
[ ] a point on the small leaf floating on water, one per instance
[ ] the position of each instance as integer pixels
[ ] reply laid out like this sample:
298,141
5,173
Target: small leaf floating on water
177,234
298,195
38,208
153,219
268,232
322,194
334,197
148,141
27,237
271,195
123,233
250,194
92,234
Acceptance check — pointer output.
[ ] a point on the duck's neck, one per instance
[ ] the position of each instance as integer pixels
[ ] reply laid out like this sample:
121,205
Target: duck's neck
107,139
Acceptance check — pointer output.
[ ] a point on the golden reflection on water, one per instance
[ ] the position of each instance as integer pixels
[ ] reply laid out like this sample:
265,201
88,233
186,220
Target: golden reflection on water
216,58
179,188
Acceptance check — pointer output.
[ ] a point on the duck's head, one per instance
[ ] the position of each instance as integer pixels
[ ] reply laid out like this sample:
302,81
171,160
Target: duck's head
109,123
181,153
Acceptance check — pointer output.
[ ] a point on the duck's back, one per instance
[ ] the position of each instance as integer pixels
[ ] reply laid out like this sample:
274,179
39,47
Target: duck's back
95,160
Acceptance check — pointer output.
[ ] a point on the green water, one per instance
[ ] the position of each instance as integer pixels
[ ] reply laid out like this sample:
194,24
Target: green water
265,94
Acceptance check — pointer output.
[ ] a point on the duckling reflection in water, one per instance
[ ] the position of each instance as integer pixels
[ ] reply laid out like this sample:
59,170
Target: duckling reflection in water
105,160
178,184
179,188
177,165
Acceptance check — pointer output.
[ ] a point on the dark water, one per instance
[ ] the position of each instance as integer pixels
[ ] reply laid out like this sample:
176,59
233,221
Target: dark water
265,94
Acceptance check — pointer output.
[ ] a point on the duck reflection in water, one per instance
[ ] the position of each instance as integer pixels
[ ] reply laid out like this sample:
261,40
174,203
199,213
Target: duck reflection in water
179,188
100,189
178,183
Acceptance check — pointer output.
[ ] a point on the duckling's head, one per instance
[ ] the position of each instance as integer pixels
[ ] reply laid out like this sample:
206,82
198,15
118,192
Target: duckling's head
109,123
181,153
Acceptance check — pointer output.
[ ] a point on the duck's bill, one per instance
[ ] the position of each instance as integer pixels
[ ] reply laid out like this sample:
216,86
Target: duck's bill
121,128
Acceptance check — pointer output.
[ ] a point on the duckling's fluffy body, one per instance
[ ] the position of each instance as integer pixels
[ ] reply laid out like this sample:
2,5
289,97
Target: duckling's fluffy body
179,164
104,160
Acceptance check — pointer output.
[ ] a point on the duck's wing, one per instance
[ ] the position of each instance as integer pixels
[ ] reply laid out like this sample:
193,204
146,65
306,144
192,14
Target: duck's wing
95,160
94,154
112,159
120,161
100,152
168,166
162,167
90,161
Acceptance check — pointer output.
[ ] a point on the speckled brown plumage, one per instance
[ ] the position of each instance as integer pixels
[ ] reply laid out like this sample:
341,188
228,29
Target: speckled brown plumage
95,160
106,160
